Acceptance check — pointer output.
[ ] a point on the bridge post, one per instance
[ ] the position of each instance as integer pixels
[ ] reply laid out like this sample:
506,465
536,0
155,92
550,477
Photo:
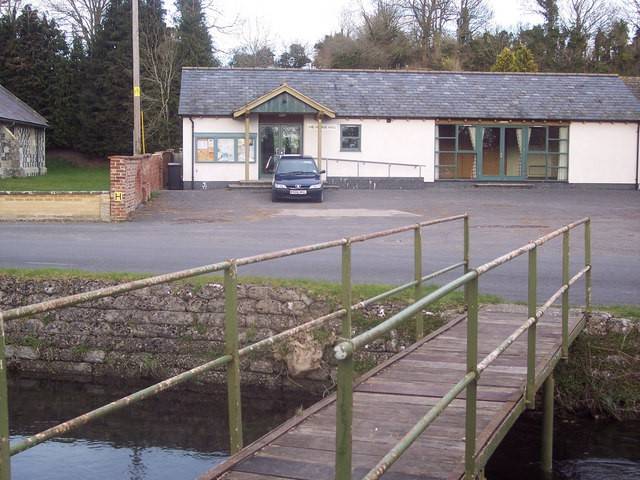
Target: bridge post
344,400
547,426
231,348
565,295
417,258
5,455
531,332
587,262
471,294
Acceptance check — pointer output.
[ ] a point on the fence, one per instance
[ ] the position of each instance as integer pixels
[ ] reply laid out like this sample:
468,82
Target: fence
344,353
232,354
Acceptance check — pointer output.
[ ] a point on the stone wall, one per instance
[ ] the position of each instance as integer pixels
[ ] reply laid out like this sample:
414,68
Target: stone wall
22,151
83,206
133,179
161,331
9,153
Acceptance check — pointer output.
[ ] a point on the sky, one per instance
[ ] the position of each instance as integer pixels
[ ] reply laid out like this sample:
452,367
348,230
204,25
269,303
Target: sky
306,22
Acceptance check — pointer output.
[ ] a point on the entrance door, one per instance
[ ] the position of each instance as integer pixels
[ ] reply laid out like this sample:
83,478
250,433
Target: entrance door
501,153
276,140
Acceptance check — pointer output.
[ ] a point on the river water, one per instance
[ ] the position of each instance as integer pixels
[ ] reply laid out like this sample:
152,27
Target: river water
181,434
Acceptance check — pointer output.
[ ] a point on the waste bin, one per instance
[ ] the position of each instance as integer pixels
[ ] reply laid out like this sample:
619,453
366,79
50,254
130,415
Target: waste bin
175,176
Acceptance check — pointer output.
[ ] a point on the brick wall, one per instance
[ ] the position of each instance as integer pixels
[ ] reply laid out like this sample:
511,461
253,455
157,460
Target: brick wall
134,179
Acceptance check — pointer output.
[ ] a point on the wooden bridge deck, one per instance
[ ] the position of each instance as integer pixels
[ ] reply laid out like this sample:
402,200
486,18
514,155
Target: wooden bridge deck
389,400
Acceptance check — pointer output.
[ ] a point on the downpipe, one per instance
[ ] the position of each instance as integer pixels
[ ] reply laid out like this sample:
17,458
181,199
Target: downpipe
638,156
193,153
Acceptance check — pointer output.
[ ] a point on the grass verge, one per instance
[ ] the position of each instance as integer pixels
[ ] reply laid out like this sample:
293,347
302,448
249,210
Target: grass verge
329,291
62,176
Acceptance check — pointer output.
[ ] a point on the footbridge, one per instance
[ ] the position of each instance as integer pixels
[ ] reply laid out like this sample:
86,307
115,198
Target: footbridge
437,410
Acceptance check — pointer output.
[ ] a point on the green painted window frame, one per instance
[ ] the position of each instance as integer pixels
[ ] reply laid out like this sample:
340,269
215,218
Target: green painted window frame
548,153
236,137
359,137
551,172
456,151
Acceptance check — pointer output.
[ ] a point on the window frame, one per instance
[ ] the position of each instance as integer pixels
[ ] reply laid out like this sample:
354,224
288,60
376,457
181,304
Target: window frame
235,136
455,152
549,169
359,137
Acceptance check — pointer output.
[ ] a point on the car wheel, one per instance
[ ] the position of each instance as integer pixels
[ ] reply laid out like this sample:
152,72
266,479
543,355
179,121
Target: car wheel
274,197
320,197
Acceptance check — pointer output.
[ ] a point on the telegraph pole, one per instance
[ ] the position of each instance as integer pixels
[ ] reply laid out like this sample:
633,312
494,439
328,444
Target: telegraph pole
137,137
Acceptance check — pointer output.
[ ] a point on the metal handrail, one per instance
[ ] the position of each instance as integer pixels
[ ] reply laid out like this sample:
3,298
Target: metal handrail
232,351
371,162
344,351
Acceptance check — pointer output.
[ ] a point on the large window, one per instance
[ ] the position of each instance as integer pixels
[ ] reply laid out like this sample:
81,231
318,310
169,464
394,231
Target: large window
223,148
502,152
350,138
455,152
547,153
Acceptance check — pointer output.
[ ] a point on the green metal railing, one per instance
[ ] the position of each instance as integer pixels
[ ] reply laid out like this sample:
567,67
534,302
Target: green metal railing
345,350
232,353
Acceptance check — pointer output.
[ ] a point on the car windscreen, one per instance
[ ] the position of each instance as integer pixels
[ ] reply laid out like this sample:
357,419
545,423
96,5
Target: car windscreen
297,165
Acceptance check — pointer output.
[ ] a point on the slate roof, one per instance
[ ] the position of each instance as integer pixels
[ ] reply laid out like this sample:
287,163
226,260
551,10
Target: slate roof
12,109
418,94
634,85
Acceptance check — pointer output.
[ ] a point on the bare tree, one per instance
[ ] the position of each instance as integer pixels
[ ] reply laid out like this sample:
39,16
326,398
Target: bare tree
427,19
82,16
160,69
585,17
10,8
633,13
472,17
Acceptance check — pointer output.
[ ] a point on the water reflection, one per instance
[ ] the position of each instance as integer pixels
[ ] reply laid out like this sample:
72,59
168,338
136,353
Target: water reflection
176,435
584,449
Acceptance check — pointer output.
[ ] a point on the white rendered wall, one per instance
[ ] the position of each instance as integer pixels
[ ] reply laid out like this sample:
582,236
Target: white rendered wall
399,141
212,171
602,152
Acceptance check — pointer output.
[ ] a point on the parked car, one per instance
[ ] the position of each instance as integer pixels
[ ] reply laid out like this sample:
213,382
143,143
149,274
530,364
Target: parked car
297,177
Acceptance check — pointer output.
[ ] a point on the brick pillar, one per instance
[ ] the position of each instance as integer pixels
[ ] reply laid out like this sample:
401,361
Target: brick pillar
117,193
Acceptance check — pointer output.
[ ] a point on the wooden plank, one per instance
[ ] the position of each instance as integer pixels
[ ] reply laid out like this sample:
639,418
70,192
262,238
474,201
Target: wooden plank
390,399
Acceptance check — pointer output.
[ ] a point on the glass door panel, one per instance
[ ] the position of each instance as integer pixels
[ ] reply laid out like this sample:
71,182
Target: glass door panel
491,152
276,140
291,136
513,148
268,137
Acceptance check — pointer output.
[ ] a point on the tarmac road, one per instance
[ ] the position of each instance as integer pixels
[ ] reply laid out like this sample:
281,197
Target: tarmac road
182,229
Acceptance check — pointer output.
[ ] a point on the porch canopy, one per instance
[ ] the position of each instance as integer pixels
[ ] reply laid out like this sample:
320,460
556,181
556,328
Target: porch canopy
283,99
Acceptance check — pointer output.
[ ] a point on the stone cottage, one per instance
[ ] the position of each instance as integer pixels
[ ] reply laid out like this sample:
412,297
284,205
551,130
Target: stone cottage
22,138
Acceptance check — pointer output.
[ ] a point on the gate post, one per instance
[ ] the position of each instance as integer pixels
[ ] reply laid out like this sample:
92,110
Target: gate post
231,348
344,400
547,426
565,295
417,260
471,293
5,455
587,262
531,331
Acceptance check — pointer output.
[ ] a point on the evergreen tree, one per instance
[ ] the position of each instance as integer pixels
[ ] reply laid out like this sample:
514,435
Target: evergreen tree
196,46
107,96
505,61
294,57
520,60
33,60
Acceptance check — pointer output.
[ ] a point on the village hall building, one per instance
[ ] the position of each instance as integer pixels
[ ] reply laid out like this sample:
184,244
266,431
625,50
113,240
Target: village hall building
409,127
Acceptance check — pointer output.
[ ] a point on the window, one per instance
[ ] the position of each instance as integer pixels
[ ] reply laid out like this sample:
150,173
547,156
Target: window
497,151
223,148
455,152
350,138
547,153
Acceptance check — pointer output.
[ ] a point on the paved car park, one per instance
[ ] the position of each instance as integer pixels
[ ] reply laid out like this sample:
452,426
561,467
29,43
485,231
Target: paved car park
181,229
